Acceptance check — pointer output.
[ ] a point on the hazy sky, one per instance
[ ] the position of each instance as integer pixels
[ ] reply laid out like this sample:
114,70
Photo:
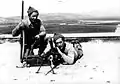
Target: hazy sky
89,7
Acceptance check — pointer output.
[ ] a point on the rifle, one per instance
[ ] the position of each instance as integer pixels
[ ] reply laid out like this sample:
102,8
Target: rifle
52,56
22,38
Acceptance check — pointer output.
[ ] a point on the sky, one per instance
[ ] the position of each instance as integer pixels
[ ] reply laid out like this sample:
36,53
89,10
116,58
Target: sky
10,8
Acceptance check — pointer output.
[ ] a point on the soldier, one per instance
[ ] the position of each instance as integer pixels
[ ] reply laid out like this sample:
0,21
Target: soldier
33,29
69,52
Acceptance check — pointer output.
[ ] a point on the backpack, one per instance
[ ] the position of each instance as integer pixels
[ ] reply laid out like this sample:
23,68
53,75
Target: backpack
78,48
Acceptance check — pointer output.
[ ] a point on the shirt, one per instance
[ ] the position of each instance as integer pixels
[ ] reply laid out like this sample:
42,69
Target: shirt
30,29
69,53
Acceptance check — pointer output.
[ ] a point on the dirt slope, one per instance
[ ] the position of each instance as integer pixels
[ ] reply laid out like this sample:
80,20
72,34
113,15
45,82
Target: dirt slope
99,65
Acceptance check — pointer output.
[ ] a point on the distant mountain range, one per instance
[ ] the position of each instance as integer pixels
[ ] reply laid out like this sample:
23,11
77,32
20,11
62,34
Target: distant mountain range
58,16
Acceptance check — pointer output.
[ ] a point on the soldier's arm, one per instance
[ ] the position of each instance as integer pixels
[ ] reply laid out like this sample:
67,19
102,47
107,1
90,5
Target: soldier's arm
68,58
17,30
42,30
47,49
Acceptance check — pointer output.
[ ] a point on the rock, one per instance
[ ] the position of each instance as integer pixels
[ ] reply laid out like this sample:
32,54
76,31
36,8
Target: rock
85,65
91,77
52,80
107,81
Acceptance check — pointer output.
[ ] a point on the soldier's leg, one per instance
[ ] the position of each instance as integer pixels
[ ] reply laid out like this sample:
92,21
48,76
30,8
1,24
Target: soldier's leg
24,63
27,51
42,45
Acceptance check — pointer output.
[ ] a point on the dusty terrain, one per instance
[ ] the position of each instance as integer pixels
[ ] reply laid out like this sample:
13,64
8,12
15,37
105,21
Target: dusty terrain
99,65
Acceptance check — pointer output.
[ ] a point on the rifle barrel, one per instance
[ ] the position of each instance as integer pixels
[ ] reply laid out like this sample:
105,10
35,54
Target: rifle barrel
22,16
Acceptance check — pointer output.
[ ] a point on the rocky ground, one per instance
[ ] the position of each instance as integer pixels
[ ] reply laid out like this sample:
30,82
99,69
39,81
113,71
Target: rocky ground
99,65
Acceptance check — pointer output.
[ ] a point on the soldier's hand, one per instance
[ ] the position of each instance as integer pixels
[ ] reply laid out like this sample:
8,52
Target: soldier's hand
59,51
21,26
37,36
43,54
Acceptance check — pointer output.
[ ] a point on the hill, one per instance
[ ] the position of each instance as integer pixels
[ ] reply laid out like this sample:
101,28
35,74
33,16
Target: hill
61,22
59,17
